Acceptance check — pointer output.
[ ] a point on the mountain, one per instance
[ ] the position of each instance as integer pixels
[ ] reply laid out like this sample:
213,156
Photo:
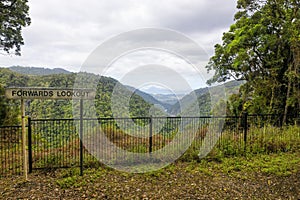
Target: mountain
187,104
155,90
171,99
187,101
137,106
140,103
150,99
38,70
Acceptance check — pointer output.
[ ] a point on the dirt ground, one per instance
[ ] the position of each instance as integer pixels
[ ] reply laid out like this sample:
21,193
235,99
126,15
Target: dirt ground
179,182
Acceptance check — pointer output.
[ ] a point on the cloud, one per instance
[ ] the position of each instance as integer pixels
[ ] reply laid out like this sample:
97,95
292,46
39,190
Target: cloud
167,69
64,33
195,16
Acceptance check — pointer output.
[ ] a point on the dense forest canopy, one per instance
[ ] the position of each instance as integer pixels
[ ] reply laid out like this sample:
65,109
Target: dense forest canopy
262,48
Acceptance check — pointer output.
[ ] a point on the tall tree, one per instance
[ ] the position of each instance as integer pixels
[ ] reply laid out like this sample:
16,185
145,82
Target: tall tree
13,17
262,47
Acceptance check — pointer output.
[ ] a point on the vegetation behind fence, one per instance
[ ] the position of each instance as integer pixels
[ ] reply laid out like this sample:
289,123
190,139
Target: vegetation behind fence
55,143
10,150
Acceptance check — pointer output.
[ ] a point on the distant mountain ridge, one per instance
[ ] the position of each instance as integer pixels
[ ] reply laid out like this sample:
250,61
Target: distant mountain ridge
171,99
150,98
204,98
40,71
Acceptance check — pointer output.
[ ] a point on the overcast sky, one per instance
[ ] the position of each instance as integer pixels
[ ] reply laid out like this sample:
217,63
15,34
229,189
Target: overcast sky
64,33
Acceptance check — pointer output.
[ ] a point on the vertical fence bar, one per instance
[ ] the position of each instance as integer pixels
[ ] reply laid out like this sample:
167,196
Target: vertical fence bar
245,127
81,135
150,134
29,145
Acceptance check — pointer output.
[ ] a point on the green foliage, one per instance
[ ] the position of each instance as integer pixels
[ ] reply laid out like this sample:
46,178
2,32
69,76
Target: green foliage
8,114
12,79
260,140
282,164
279,165
13,17
263,48
68,182
3,109
64,108
138,106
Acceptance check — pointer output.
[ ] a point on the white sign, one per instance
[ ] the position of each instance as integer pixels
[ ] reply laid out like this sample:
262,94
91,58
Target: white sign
49,93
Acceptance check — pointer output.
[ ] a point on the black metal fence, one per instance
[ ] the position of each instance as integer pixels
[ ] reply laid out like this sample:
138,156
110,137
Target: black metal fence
55,143
10,150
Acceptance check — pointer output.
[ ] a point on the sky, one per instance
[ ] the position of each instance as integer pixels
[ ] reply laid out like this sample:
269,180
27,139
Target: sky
65,33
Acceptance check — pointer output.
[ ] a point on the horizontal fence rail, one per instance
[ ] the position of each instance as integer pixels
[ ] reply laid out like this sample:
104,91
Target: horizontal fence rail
56,143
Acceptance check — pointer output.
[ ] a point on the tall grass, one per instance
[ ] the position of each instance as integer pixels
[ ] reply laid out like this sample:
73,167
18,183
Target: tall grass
232,143
263,140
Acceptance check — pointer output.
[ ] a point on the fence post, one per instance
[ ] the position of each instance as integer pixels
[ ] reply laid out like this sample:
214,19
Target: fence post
29,145
150,135
24,153
81,137
245,127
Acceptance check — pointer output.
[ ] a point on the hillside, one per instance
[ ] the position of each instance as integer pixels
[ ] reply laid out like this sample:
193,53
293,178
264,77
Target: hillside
38,70
168,98
140,104
151,99
187,103
63,108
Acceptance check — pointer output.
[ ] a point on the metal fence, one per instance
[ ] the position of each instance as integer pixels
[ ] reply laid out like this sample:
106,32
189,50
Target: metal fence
10,150
58,143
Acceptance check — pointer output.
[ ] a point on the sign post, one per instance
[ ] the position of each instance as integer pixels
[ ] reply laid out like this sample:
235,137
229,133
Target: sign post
23,93
24,140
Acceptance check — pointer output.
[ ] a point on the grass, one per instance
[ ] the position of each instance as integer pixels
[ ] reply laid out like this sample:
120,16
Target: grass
281,164
264,140
261,176
278,164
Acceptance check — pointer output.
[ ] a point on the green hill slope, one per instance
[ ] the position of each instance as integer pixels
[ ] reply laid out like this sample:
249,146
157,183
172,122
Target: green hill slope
63,108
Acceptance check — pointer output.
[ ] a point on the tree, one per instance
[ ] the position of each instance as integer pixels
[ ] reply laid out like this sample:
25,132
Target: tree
13,17
262,47
8,113
3,110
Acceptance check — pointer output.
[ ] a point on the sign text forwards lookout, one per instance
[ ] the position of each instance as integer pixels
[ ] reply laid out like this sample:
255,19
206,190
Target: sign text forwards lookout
49,93
23,93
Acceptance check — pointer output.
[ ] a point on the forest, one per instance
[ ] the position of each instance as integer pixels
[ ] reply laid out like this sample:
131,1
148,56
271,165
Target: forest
140,102
60,108
237,102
